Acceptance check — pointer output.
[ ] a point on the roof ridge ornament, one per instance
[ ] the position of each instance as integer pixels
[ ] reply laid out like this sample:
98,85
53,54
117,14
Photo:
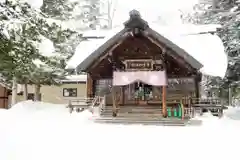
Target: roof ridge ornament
135,21
134,14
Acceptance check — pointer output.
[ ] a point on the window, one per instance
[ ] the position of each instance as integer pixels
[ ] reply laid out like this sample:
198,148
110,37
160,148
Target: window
31,96
103,86
69,92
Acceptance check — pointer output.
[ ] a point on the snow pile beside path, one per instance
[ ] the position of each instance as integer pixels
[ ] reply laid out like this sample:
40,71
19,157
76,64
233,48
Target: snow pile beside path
31,106
230,118
41,111
207,119
62,136
3,114
233,113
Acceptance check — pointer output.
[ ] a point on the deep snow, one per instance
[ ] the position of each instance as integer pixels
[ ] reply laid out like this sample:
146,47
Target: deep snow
41,131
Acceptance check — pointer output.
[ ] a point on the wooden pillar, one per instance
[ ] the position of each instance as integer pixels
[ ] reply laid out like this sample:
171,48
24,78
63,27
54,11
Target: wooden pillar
164,88
164,105
114,107
123,95
183,110
198,79
89,86
197,89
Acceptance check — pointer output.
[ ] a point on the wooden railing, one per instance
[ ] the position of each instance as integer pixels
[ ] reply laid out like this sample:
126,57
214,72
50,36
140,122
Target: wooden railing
213,101
99,104
214,105
79,104
102,105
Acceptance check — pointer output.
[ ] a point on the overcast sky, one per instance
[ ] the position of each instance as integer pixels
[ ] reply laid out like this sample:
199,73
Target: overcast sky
169,10
151,10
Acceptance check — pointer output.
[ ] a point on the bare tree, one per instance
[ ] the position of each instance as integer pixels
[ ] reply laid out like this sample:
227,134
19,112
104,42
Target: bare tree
111,8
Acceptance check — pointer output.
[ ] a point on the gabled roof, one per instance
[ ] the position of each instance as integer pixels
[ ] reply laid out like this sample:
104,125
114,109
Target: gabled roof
136,21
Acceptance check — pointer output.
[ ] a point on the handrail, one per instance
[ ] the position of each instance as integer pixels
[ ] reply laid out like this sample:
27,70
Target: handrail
91,108
102,105
101,101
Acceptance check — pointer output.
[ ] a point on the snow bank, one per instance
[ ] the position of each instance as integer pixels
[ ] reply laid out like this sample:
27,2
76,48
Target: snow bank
3,114
72,136
233,113
44,109
36,106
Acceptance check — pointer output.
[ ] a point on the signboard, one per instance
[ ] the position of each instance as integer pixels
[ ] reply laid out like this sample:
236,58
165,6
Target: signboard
139,64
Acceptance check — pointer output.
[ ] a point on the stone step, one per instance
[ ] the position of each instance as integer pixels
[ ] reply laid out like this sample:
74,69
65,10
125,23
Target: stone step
133,111
132,115
138,107
143,121
156,123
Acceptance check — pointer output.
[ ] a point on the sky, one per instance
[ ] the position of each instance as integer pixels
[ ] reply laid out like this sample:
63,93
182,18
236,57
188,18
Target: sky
169,10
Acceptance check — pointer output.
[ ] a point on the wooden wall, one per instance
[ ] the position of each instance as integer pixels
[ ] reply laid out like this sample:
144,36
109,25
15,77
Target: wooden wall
54,94
89,85
141,48
177,89
3,97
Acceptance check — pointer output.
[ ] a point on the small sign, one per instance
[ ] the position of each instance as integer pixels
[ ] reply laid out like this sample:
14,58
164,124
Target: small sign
139,64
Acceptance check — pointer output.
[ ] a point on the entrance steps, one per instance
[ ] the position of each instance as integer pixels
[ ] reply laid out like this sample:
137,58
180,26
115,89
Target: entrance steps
142,121
133,110
145,115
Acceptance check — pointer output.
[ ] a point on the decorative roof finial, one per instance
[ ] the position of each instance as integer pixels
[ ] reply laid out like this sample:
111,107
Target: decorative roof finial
134,13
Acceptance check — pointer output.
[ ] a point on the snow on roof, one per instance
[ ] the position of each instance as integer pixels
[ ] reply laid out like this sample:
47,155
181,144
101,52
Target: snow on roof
85,48
76,78
203,47
185,29
208,49
95,33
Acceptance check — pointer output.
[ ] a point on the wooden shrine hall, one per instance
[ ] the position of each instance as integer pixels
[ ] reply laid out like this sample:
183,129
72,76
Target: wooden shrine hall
139,67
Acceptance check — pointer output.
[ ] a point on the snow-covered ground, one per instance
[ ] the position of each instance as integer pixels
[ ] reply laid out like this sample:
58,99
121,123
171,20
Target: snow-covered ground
41,131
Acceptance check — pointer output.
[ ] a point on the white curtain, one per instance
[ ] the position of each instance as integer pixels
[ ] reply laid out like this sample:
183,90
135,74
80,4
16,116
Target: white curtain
155,78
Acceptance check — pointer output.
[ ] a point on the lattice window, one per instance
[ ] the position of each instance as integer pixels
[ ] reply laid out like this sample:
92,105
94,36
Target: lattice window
103,86
69,92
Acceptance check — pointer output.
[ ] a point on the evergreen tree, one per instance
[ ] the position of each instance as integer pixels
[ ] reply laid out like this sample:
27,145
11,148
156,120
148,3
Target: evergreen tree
226,13
19,46
78,14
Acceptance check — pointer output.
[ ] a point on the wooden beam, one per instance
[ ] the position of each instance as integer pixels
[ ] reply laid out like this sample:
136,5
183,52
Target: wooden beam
183,109
154,41
164,50
164,105
197,80
89,85
109,51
